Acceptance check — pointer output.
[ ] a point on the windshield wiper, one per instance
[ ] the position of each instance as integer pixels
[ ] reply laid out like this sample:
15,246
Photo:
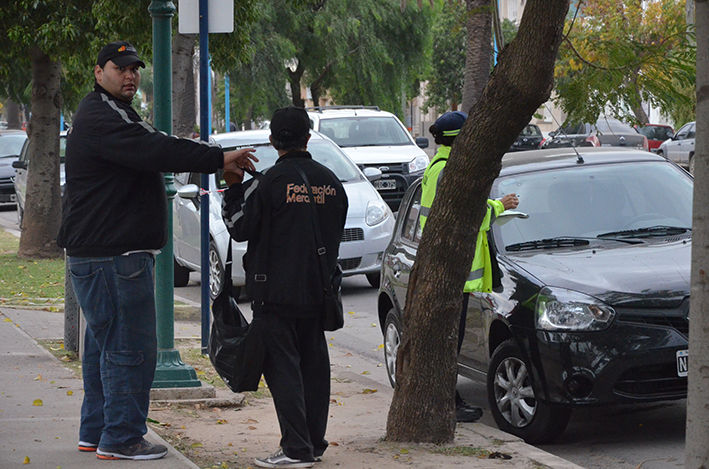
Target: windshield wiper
547,244
647,232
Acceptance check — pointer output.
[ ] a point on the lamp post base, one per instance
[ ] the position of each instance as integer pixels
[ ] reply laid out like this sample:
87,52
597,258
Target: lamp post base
172,372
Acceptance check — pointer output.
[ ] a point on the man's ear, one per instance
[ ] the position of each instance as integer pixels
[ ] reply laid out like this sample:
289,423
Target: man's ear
98,74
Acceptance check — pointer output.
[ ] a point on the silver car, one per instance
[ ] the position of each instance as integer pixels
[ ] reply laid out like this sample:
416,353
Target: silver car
680,148
368,228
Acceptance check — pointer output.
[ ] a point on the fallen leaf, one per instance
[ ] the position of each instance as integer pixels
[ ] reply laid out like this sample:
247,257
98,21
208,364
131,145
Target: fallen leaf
7,320
369,391
366,373
404,451
38,402
70,393
249,421
221,422
381,346
348,354
374,325
334,443
351,312
38,378
196,445
27,460
251,428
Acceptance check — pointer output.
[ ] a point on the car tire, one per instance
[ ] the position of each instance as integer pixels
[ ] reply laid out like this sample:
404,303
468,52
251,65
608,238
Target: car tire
182,275
691,164
374,279
216,271
20,215
513,404
392,341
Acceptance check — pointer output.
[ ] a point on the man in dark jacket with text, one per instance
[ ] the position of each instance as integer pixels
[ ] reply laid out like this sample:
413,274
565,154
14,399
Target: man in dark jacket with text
114,221
283,276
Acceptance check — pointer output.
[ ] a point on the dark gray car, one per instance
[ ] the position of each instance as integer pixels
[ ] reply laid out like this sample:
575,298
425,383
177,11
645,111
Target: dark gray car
605,132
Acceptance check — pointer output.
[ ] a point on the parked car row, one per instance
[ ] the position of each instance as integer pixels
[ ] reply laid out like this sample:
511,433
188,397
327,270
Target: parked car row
605,132
11,142
594,298
680,147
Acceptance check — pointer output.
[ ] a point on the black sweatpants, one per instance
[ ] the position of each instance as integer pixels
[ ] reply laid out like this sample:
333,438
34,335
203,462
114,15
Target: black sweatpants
297,371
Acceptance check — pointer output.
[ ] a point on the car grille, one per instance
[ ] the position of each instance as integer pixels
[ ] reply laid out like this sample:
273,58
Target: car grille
673,318
352,234
350,264
650,381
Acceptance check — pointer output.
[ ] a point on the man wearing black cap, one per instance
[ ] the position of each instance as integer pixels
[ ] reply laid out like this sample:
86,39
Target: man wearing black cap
283,277
444,131
114,221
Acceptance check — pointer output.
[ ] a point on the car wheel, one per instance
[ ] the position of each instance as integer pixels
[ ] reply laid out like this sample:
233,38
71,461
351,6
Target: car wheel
20,215
514,405
216,271
392,340
374,279
182,275
691,164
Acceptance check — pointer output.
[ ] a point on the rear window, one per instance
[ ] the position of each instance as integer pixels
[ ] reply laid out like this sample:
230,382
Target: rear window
655,132
608,126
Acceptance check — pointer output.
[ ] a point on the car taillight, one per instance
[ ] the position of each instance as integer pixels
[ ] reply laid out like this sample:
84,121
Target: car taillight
593,140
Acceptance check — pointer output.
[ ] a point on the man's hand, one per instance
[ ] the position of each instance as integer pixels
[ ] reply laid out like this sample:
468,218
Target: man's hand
510,201
239,159
233,177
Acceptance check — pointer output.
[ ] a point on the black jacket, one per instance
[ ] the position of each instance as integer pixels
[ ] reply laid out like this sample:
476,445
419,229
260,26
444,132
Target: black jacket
289,258
115,199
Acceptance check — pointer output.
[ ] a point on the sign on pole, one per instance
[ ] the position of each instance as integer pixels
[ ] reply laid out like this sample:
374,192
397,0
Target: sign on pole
220,19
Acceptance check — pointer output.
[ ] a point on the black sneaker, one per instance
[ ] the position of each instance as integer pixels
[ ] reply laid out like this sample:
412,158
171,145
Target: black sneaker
139,451
467,413
279,459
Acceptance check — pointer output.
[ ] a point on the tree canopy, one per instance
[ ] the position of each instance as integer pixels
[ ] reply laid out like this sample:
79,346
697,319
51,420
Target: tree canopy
618,55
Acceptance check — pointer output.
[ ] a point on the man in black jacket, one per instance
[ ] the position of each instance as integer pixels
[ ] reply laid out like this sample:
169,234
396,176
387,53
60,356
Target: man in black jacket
114,222
283,275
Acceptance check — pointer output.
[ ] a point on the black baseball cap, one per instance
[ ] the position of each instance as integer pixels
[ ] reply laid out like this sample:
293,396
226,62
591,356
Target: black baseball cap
120,53
290,124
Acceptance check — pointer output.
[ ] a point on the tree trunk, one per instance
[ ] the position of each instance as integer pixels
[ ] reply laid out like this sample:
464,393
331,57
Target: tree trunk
43,210
184,107
248,119
696,449
479,53
294,78
12,113
422,409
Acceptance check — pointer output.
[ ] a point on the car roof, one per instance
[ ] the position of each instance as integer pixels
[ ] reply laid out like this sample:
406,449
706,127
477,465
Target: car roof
242,138
331,112
4,132
539,160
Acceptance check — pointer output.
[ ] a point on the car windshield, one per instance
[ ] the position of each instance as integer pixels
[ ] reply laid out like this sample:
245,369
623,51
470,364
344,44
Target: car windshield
587,201
11,145
364,131
656,132
323,151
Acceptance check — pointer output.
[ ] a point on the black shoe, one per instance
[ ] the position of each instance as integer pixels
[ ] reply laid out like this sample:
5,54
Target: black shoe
467,413
139,451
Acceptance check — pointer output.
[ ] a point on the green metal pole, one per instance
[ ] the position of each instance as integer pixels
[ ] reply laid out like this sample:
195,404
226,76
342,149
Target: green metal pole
170,372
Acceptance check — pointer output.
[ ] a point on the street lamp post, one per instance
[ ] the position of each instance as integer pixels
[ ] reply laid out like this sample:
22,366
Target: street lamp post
170,372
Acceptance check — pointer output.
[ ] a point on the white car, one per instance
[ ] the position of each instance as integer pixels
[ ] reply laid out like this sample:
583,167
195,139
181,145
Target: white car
368,228
680,148
375,139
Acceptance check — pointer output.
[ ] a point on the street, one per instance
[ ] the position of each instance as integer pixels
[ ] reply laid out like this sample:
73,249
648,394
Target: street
650,436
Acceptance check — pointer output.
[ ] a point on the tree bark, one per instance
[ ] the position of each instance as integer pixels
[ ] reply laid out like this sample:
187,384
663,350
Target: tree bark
184,107
696,449
422,409
479,53
12,114
294,77
43,209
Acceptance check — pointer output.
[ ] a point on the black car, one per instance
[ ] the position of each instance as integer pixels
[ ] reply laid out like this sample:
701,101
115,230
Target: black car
606,132
595,272
529,139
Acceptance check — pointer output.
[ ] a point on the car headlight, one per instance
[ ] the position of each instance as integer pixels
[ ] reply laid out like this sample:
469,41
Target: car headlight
559,309
377,212
418,164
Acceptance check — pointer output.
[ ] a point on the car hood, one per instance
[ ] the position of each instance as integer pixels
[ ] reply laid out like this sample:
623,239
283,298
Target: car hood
383,154
615,274
6,169
359,193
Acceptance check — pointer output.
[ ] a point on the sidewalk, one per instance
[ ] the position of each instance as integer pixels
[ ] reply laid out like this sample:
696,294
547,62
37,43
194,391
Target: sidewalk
48,434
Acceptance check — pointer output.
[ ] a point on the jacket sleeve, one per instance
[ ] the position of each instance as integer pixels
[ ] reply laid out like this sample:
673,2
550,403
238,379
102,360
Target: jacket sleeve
242,207
128,141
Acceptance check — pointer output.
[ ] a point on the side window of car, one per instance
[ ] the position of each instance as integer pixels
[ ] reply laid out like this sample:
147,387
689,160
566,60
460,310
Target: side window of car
411,230
690,132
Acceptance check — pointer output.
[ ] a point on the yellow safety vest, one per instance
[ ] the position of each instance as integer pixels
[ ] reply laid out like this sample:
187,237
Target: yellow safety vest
480,278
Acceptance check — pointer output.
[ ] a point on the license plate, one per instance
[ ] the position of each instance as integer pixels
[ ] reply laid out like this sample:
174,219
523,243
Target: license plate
385,184
682,362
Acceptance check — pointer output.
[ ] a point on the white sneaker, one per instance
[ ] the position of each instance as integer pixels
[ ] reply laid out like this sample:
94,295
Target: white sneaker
279,459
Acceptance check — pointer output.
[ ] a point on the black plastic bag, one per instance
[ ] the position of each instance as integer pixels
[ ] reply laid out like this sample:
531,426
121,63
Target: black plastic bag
236,348
333,315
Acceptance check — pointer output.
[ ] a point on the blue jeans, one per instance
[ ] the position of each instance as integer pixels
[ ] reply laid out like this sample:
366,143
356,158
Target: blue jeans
117,296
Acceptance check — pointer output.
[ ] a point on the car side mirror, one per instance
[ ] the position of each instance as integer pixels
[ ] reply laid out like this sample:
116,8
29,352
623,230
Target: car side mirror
422,142
372,174
189,191
509,215
552,133
19,164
